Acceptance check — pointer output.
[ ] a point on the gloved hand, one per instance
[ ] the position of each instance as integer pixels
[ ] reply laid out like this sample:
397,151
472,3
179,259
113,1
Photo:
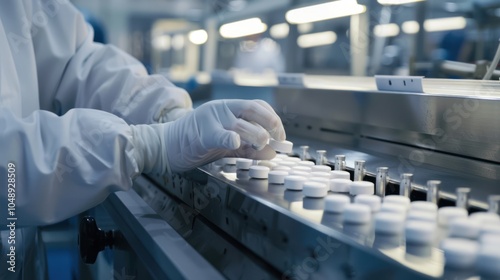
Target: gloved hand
217,129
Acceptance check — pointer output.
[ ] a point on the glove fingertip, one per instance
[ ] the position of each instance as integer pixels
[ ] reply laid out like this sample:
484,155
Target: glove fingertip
232,141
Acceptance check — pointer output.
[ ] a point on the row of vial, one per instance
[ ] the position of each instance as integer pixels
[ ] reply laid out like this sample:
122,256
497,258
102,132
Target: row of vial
467,239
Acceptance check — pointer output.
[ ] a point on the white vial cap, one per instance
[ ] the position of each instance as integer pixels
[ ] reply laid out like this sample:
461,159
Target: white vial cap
361,187
229,161
302,168
292,159
449,213
287,163
398,199
320,174
424,206
321,180
340,185
340,174
293,182
420,232
336,203
305,163
459,253
389,223
276,159
490,239
485,217
315,189
281,146
371,200
489,229
321,168
282,168
356,214
415,215
243,163
464,228
277,177
487,262
267,163
393,208
300,173
258,172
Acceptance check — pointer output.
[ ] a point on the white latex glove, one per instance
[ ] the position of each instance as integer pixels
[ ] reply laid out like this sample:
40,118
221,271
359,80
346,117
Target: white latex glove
217,129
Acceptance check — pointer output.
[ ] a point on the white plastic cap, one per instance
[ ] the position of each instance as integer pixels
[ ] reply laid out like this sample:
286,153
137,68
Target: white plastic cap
371,200
243,163
398,199
258,172
320,174
485,217
292,159
459,253
276,159
356,214
281,146
287,163
449,213
420,232
389,223
340,174
490,239
415,215
487,261
489,229
302,168
393,208
229,161
321,168
300,173
321,180
340,185
315,189
305,163
361,187
336,203
464,228
295,183
267,163
282,168
424,206
277,177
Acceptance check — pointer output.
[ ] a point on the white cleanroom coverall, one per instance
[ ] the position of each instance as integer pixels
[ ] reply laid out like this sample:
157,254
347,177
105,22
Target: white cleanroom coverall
75,118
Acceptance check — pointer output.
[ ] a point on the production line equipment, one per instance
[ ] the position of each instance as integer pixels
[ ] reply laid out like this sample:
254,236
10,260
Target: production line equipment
377,185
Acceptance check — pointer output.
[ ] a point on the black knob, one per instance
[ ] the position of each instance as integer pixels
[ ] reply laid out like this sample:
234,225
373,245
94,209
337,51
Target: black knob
92,239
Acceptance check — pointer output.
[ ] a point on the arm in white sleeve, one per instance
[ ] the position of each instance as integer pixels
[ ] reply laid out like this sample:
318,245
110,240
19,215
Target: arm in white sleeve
63,165
76,72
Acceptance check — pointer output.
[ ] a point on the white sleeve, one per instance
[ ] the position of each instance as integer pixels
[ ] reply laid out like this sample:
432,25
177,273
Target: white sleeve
74,72
62,165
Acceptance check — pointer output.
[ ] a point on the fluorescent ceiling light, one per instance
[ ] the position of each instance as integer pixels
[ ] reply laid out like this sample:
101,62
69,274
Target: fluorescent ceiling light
317,39
279,31
198,37
397,2
329,10
410,27
443,24
242,28
178,42
305,27
162,42
386,30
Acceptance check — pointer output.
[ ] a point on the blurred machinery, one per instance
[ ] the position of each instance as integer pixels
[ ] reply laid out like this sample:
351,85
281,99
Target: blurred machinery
217,222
